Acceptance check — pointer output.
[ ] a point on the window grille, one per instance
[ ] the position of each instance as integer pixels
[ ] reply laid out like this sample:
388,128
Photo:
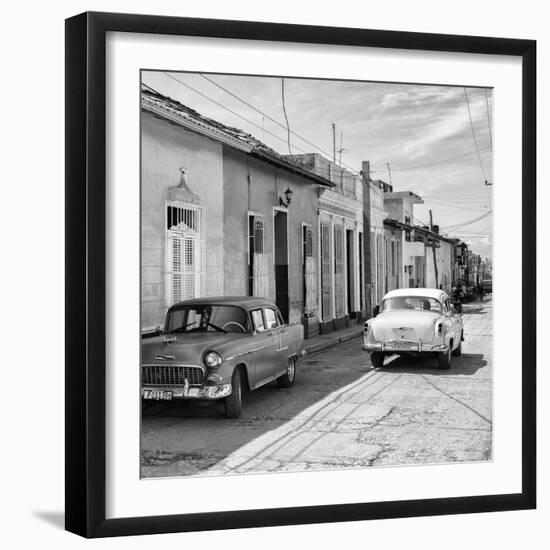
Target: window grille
308,242
258,235
185,252
257,261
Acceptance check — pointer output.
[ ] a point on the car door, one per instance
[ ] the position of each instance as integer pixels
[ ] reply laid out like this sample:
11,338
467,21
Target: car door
265,343
274,323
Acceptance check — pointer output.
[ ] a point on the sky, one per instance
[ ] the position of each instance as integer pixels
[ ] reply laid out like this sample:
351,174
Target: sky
419,130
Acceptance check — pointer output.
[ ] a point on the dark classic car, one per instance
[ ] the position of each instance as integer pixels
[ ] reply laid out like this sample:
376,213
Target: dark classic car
216,348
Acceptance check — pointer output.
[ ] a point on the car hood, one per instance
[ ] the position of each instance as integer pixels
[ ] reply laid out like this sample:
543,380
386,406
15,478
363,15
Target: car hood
186,348
406,325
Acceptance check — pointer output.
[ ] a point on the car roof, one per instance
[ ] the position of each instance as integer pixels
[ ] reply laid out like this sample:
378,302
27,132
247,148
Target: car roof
435,293
248,302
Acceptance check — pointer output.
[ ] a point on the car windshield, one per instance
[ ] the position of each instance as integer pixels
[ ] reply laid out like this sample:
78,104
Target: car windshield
420,303
207,318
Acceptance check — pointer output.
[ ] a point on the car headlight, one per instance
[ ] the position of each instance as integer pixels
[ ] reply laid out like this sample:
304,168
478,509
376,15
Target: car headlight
212,359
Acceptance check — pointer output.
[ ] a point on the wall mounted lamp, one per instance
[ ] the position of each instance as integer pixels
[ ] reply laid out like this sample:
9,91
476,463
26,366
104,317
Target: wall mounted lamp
288,197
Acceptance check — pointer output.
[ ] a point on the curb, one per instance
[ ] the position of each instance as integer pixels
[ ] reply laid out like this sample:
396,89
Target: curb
333,341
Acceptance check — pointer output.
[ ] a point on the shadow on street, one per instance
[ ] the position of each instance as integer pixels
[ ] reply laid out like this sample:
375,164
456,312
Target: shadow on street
466,364
264,410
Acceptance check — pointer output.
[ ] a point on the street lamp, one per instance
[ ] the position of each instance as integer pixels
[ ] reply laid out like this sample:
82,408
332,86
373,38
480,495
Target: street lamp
288,197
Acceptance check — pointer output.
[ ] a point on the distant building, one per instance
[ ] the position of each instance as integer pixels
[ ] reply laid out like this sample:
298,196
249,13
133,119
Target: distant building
341,260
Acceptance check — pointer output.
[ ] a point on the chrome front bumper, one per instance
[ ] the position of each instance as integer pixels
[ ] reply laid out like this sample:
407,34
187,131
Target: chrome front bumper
400,346
190,392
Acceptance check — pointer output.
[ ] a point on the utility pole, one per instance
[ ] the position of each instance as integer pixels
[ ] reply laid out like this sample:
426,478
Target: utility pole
334,142
389,173
434,255
341,150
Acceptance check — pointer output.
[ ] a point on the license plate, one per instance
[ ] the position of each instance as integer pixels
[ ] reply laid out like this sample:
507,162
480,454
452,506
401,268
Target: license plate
401,345
157,395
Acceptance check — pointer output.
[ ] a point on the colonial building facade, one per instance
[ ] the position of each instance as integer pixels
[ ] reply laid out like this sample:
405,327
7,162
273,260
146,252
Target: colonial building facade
222,214
341,258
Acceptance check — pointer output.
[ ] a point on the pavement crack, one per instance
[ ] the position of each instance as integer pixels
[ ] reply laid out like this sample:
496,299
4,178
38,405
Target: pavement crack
457,400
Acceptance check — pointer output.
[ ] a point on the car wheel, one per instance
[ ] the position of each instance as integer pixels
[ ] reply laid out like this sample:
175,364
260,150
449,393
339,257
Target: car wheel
233,402
444,359
377,359
287,379
458,351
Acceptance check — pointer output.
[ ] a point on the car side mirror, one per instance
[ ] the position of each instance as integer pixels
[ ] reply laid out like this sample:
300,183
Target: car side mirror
158,331
375,310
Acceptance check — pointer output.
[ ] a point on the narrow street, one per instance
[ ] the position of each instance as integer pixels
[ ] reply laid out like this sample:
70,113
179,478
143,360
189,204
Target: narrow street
341,413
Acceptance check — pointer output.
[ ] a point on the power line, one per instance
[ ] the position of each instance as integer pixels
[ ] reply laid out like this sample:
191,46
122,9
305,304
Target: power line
450,204
406,169
470,222
284,111
231,111
474,135
488,118
275,121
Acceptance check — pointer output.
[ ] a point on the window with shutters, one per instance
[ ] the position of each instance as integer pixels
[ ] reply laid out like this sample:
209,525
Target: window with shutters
257,261
185,252
308,241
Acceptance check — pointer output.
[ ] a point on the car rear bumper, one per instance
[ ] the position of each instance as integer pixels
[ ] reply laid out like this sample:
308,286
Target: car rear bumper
405,347
149,392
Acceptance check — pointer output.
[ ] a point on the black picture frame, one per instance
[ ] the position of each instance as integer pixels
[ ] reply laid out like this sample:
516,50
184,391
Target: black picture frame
86,263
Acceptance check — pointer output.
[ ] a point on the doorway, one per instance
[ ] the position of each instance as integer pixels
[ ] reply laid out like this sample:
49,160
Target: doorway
280,237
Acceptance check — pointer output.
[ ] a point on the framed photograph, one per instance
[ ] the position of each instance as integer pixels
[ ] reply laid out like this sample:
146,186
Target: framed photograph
300,274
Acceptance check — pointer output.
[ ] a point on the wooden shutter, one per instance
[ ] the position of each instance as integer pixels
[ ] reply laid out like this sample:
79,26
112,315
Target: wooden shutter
310,275
326,280
185,252
339,275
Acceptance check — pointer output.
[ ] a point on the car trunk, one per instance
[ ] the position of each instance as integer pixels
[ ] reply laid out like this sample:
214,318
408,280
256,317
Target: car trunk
405,325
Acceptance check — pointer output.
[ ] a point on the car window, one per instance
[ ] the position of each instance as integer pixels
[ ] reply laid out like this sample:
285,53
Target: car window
206,318
271,320
422,303
258,320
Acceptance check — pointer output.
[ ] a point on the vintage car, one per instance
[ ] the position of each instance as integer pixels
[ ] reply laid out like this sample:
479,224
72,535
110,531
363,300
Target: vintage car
216,348
414,321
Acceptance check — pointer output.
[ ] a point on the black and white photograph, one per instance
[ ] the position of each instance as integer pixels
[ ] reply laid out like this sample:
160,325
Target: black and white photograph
316,274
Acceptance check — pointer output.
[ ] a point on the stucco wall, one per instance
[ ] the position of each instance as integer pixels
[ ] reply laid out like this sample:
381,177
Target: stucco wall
165,148
252,185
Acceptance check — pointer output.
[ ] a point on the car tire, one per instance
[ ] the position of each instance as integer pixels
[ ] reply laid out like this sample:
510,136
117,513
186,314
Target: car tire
458,351
288,378
377,359
444,360
233,402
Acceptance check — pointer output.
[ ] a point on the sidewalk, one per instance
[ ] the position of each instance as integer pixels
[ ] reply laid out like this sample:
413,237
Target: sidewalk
323,341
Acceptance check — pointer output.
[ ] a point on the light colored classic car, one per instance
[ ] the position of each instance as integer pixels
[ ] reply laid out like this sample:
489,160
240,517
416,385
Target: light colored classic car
413,321
216,348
